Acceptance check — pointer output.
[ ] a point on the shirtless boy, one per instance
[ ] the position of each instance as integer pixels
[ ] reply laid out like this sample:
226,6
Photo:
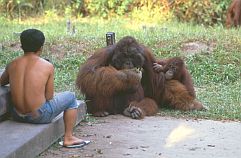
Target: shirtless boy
31,80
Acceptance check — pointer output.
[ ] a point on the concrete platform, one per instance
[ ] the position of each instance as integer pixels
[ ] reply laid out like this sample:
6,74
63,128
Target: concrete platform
22,140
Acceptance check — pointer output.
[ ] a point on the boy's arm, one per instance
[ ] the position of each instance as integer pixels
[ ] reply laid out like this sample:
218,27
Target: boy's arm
4,80
49,89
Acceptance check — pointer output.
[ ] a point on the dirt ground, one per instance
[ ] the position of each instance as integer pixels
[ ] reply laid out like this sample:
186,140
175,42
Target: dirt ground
117,136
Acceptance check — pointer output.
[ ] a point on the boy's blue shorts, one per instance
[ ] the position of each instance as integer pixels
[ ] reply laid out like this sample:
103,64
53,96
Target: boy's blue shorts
49,110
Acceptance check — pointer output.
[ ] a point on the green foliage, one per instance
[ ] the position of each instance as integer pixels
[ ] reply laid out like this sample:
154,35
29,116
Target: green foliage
108,8
21,8
207,12
51,14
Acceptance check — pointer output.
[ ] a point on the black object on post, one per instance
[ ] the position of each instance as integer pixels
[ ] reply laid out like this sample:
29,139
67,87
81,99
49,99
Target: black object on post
110,38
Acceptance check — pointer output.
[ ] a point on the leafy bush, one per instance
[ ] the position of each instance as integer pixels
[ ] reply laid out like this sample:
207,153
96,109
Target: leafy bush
107,8
206,12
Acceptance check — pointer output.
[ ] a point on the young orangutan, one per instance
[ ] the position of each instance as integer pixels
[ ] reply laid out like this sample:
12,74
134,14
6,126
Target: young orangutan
175,69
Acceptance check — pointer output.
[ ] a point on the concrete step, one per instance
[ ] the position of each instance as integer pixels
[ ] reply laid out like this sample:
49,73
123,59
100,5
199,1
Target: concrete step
23,140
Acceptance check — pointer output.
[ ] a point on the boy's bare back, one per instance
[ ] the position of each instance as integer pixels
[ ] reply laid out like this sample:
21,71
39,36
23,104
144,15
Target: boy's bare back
31,80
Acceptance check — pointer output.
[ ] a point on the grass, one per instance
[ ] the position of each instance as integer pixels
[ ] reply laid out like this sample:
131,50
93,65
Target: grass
216,74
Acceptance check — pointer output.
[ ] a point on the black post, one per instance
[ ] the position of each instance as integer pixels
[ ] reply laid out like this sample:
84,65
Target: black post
110,38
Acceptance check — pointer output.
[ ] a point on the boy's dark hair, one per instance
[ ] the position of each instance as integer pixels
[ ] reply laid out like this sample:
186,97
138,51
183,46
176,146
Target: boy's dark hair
32,40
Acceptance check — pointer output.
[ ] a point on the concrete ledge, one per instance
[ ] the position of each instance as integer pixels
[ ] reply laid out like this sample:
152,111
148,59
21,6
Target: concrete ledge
22,140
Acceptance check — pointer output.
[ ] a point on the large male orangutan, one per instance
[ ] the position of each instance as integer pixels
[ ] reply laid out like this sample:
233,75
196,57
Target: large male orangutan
112,82
234,14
